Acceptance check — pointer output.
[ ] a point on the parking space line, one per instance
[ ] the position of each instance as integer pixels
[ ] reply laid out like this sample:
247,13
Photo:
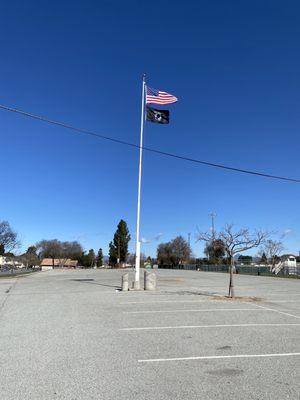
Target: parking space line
193,310
171,301
219,357
284,294
277,311
152,328
282,301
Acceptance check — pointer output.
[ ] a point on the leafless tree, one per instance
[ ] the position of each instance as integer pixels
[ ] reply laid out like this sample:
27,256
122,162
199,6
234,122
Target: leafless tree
272,250
8,238
131,258
235,241
175,252
56,249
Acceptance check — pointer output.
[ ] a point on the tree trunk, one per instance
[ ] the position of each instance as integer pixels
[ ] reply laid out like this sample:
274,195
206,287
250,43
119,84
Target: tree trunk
231,286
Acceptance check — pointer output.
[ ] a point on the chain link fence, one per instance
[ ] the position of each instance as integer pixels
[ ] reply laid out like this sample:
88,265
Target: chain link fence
287,272
9,272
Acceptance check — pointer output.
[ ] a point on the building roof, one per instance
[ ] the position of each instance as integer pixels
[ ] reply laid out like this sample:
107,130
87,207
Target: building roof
64,262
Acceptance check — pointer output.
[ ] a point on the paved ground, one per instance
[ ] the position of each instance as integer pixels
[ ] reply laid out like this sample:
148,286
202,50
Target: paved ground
71,335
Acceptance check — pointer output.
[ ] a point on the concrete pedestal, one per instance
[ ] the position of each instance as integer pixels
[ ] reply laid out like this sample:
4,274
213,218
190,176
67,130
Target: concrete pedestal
149,280
125,282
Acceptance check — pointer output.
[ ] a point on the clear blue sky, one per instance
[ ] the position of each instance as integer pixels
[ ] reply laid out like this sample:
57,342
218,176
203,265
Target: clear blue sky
234,65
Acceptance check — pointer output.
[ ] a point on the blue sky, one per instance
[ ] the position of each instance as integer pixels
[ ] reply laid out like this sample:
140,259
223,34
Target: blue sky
234,67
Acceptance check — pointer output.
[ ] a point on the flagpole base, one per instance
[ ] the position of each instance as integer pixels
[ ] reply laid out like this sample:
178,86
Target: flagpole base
136,285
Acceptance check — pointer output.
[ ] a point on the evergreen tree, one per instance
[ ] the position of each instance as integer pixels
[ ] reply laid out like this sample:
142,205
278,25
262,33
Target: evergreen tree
100,258
264,259
2,249
118,248
91,257
112,254
32,250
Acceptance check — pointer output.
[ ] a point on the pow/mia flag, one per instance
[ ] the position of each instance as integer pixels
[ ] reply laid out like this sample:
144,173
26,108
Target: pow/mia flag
158,116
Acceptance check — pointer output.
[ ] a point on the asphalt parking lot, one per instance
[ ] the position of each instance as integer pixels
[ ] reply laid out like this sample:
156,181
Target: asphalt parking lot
72,335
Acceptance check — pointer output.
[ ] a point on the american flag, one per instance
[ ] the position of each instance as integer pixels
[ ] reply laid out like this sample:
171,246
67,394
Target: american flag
154,96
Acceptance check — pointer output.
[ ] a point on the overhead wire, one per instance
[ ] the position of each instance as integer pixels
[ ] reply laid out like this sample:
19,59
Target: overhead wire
149,149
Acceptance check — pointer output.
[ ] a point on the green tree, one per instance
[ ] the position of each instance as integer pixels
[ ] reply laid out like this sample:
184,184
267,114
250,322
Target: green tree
264,259
30,258
214,250
100,258
118,248
32,250
245,259
112,255
87,260
2,249
91,257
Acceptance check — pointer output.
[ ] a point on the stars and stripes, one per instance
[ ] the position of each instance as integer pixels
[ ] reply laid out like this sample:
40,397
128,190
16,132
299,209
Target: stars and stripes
154,96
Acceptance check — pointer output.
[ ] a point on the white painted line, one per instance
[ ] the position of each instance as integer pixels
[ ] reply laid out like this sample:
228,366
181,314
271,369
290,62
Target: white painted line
285,294
152,328
193,310
171,301
277,311
281,301
219,357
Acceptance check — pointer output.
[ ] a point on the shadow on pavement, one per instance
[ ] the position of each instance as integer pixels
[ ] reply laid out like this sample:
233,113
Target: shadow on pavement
92,282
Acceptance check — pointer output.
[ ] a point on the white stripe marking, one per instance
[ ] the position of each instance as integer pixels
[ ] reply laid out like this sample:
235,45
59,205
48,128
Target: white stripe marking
279,312
284,294
152,328
171,301
219,357
192,310
282,301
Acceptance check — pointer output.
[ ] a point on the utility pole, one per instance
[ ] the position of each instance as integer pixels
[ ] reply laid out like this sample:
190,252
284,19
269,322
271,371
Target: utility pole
189,239
213,215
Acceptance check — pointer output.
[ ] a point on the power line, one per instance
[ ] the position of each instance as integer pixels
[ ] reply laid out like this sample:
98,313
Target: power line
164,153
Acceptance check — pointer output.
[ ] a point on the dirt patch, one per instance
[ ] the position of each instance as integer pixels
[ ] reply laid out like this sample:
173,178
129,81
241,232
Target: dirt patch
226,372
168,280
224,348
237,298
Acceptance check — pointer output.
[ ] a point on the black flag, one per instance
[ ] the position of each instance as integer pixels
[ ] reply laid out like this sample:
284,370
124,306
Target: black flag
158,116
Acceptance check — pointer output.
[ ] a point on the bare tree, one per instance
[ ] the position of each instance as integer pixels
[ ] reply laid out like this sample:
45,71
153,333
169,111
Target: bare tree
56,249
272,250
235,241
175,252
8,238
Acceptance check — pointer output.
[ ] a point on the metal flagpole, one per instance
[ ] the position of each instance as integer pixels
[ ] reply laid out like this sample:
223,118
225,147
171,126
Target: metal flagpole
138,243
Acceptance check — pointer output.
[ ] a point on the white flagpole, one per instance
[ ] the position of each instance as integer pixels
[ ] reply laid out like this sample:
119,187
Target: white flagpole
138,243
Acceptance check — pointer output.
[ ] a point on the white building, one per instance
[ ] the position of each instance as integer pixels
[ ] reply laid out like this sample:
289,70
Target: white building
289,261
8,261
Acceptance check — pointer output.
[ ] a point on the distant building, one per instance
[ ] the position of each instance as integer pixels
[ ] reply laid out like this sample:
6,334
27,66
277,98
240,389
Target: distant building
289,260
50,263
10,262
